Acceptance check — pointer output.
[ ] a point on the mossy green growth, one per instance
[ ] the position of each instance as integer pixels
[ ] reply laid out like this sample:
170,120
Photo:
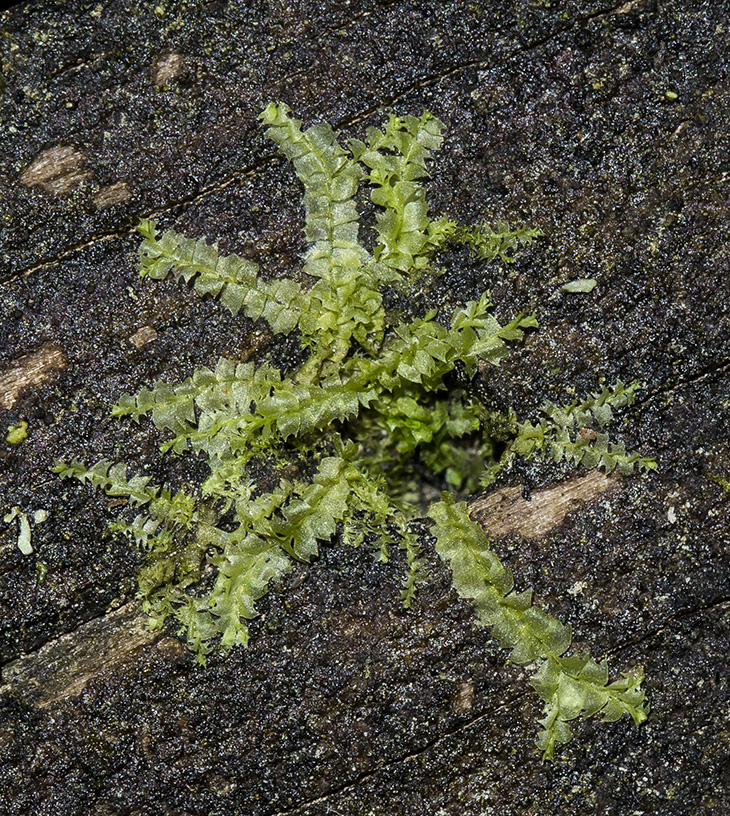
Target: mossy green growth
17,433
720,481
378,397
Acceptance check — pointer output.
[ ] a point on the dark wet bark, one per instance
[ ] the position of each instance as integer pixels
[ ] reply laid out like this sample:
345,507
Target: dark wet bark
603,125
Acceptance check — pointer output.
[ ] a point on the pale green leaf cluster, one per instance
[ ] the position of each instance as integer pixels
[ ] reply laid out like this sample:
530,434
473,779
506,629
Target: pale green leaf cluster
567,433
346,301
488,242
173,530
231,279
570,686
580,286
332,447
397,159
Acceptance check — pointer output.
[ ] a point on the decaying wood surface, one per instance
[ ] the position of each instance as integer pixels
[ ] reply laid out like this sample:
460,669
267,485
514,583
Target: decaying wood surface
507,512
30,371
61,669
601,123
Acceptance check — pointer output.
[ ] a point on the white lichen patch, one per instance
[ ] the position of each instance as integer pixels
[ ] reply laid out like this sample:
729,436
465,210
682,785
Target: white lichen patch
10,516
578,588
582,285
24,544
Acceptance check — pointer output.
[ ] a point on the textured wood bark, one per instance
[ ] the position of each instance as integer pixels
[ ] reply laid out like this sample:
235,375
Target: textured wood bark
507,512
601,123
27,373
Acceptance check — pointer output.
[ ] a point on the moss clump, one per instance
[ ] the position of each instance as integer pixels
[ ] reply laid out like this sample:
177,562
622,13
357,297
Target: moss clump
17,433
379,397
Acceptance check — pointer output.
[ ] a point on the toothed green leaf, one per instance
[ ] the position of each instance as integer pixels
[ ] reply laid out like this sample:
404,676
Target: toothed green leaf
571,686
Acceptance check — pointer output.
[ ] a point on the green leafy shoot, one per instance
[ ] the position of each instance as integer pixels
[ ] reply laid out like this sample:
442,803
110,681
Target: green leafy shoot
570,686
339,446
568,433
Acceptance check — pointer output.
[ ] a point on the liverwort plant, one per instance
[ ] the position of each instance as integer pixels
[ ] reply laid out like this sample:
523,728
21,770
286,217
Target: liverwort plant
340,433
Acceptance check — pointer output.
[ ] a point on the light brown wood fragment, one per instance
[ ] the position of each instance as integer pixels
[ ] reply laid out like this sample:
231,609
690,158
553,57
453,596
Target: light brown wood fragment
113,194
168,67
629,7
464,698
30,371
506,513
143,336
61,668
56,170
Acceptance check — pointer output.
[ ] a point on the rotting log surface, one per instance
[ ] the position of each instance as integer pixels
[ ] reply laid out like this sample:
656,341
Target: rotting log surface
604,125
